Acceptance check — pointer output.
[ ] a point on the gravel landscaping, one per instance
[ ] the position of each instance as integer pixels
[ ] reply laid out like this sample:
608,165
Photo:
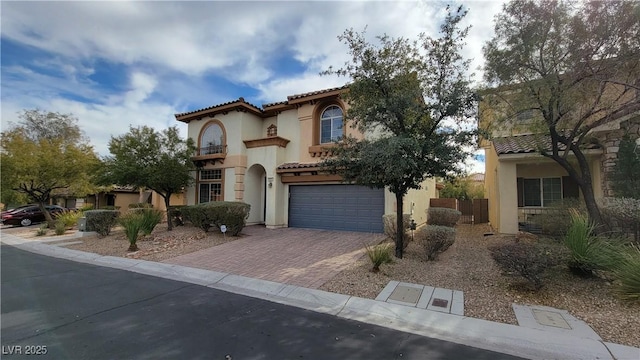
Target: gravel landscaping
465,266
488,294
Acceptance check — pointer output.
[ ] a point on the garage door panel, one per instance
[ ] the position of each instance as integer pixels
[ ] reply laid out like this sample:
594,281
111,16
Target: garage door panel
336,207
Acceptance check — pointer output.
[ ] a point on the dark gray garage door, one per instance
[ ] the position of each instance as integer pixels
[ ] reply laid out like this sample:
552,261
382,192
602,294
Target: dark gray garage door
336,207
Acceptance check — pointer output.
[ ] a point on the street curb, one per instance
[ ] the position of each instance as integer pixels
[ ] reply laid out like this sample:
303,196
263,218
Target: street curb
499,337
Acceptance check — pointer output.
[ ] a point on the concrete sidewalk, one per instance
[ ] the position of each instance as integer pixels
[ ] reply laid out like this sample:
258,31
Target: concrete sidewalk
504,338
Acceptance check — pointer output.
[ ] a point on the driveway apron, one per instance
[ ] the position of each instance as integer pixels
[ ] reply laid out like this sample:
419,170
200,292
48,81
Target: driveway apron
302,257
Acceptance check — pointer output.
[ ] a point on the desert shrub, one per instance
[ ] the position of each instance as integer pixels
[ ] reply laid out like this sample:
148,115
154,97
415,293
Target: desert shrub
379,254
42,230
443,216
150,218
389,226
555,220
232,214
101,221
623,213
132,223
69,218
627,274
140,206
527,260
587,251
436,239
60,228
86,207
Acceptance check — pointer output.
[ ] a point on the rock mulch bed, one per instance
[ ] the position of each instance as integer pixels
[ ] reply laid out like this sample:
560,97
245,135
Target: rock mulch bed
488,294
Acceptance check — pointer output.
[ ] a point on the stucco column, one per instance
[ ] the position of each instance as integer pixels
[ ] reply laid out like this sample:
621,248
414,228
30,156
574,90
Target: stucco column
508,189
274,217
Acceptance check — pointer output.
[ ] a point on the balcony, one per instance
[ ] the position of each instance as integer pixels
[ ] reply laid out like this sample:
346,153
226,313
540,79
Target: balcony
210,154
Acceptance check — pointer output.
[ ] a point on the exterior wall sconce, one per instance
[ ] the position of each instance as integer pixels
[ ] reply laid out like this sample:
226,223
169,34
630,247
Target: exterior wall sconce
270,182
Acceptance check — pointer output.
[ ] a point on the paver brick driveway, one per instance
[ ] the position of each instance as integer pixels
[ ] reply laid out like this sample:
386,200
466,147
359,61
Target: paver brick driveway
302,257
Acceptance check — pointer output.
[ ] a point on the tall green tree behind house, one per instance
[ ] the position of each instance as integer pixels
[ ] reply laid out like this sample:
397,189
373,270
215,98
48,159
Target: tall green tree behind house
574,65
410,99
43,154
462,188
626,177
157,160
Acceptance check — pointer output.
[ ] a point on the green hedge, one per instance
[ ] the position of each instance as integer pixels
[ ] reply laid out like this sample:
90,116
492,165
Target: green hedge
101,221
443,216
232,214
436,239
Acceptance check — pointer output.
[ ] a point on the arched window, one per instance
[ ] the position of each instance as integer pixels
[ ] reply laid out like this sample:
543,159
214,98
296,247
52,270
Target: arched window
331,121
212,140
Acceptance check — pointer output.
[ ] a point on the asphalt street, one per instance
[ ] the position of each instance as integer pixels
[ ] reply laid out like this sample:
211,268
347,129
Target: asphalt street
70,310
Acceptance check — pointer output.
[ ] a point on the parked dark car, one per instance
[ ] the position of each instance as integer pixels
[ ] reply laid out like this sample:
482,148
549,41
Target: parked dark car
29,214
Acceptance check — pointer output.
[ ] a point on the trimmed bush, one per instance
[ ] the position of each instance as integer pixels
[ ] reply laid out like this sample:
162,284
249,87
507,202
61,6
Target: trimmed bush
436,239
232,214
140,206
389,225
379,254
524,259
101,221
627,272
443,216
68,218
588,252
132,223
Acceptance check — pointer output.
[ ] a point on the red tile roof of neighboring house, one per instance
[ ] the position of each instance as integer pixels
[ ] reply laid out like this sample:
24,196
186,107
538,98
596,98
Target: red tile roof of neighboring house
479,177
529,143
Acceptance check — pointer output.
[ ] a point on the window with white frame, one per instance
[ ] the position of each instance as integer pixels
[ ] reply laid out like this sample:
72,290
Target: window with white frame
541,191
331,121
210,185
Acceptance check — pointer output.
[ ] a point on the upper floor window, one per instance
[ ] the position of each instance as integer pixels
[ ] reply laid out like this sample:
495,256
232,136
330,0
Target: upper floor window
331,122
212,140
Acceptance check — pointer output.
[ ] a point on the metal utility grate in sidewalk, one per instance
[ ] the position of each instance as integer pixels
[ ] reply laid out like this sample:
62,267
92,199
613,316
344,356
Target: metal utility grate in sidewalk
423,297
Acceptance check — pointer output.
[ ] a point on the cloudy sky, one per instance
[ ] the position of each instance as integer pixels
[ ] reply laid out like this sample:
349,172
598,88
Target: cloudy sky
116,64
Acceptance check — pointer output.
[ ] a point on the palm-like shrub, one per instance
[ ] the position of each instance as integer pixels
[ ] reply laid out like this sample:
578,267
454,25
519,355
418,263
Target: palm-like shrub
627,272
150,218
589,252
69,218
132,223
379,254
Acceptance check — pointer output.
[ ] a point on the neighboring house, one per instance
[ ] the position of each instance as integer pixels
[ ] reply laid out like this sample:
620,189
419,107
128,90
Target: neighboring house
119,197
267,157
520,183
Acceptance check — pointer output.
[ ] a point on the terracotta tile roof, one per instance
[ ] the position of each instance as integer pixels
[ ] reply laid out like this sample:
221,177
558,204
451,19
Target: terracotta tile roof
529,143
295,165
240,103
318,92
274,104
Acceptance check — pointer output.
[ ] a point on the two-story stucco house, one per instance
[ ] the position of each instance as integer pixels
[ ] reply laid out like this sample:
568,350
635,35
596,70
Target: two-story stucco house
267,157
520,183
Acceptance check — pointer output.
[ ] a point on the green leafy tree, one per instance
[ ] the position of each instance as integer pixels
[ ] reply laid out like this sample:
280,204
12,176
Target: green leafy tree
409,99
157,160
43,154
462,188
574,66
626,179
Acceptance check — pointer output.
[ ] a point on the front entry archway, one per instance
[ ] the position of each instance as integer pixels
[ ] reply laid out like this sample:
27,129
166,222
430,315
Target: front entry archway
255,183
